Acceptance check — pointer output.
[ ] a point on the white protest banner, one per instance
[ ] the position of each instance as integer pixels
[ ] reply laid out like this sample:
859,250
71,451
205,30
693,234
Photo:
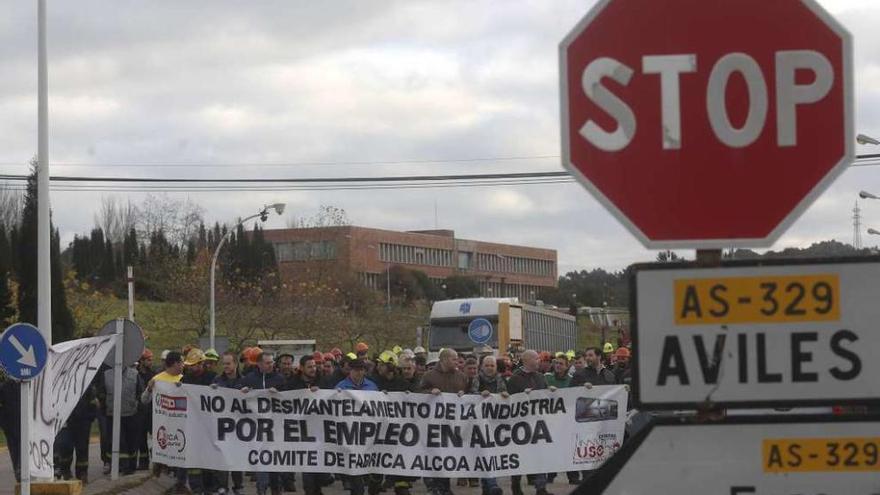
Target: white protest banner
354,432
70,368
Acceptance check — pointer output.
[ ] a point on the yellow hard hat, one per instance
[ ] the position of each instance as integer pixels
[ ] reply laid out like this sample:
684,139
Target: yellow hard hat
397,349
194,356
388,357
570,354
608,347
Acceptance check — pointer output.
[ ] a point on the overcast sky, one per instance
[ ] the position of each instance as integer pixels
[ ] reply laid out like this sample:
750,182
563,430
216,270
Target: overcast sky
257,83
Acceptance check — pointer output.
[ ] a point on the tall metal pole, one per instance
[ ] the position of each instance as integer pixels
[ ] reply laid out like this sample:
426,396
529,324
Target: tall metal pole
117,400
130,280
24,465
44,266
388,286
212,330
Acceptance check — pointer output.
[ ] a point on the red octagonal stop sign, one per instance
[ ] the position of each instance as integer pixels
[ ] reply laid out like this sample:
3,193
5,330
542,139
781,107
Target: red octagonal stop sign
706,123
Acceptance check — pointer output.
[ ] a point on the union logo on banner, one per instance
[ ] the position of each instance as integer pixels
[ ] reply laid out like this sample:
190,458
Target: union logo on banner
171,403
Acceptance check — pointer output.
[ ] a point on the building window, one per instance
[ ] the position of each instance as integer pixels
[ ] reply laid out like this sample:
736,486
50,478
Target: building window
305,250
464,260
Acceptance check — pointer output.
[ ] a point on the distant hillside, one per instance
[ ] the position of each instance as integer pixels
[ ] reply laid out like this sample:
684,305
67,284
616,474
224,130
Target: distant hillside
824,249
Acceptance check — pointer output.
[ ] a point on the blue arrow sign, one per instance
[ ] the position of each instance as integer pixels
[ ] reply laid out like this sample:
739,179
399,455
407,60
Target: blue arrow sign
480,331
23,351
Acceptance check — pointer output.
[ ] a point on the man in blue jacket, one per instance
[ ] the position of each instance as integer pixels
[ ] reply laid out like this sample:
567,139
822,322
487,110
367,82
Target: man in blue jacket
357,380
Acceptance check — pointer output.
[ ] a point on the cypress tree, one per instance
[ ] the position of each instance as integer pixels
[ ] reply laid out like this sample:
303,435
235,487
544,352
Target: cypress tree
62,320
6,309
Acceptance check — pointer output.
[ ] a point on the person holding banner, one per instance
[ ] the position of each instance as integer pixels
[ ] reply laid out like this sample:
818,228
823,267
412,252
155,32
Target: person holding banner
445,377
489,382
388,379
356,380
265,378
229,378
132,388
526,379
307,378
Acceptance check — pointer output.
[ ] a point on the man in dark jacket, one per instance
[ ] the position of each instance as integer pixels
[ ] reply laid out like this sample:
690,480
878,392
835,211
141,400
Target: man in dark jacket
408,374
489,382
10,419
307,378
145,412
594,372
526,379
445,377
74,437
229,377
265,377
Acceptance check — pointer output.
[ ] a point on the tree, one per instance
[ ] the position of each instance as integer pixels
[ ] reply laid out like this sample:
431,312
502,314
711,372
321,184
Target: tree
6,309
460,287
11,203
668,256
327,216
62,320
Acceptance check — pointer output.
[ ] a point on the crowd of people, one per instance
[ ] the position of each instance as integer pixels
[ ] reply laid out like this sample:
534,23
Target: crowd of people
395,370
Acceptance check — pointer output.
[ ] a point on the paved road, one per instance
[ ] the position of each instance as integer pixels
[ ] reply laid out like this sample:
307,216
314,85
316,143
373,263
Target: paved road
101,483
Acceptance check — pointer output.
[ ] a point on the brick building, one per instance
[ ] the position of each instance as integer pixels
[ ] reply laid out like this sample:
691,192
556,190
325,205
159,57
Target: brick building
502,270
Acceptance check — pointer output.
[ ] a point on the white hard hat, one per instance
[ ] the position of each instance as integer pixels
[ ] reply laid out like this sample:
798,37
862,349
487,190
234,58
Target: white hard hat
419,350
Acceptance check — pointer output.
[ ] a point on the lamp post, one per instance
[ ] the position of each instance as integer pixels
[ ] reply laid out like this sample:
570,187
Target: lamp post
263,215
863,139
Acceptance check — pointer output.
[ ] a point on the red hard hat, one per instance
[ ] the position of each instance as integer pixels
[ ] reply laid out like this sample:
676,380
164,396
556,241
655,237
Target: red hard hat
622,352
361,347
319,358
148,354
336,352
329,356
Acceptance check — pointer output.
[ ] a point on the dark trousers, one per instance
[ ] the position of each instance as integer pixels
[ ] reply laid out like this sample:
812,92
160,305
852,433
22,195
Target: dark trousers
73,439
438,485
127,441
106,437
540,481
223,479
143,449
13,441
355,484
311,483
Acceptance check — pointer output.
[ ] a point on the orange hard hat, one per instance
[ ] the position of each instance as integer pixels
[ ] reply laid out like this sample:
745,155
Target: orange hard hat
622,352
329,356
319,358
361,347
545,356
251,354
148,354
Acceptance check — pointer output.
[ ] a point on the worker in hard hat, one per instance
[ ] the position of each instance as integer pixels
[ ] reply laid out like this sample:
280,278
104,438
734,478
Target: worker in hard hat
608,354
145,412
361,350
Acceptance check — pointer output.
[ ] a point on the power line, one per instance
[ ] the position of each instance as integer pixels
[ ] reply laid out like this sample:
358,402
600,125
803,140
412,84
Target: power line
399,178
294,164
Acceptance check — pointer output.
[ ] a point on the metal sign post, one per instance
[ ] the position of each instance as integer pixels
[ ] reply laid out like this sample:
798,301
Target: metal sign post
23,354
117,398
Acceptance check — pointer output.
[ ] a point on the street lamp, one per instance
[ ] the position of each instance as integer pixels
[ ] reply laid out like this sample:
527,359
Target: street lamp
263,215
873,232
863,139
867,195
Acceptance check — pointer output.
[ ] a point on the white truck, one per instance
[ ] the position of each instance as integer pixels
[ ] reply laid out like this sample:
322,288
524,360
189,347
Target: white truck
506,325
